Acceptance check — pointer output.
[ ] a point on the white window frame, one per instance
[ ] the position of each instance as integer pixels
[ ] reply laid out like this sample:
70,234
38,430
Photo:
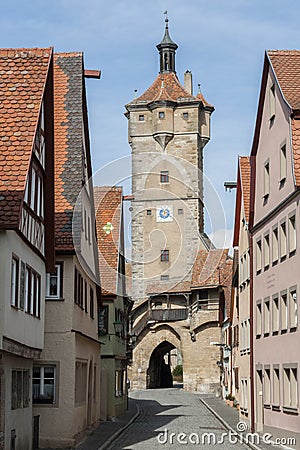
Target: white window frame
275,244
59,270
42,382
283,166
293,308
290,387
292,233
283,238
283,311
275,313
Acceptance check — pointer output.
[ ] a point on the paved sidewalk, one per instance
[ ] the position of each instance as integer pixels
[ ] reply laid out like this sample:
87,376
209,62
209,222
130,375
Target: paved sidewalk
108,431
229,417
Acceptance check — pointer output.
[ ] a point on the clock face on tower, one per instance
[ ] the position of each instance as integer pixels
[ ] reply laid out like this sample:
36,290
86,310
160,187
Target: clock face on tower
164,214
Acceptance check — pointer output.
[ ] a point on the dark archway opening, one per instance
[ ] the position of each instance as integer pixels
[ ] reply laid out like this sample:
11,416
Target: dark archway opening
159,373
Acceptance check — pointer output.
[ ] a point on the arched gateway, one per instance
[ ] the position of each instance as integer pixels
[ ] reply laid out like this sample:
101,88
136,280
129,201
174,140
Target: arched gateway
178,279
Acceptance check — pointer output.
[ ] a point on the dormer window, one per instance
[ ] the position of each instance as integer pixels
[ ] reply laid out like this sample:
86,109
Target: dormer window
185,115
161,115
141,117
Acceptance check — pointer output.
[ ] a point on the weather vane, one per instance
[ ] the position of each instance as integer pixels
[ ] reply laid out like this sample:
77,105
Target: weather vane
166,14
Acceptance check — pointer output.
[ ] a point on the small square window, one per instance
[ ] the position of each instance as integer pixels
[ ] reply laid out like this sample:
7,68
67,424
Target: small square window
164,277
180,211
164,176
149,212
161,115
141,117
185,115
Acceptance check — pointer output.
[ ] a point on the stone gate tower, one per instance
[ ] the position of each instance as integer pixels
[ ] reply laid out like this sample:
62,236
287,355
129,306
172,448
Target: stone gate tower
168,129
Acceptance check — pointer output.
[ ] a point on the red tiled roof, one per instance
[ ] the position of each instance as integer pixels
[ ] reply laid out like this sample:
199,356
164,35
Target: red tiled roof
23,74
200,97
69,116
211,268
165,87
108,207
168,287
286,65
244,162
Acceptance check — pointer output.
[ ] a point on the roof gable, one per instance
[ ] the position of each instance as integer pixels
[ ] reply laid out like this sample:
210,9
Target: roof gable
23,76
166,87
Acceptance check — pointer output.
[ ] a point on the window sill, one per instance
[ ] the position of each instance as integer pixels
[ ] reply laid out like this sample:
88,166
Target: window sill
267,406
292,253
275,262
54,299
290,410
276,408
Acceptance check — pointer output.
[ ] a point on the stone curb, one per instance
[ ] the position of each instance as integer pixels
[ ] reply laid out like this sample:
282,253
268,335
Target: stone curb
120,430
226,425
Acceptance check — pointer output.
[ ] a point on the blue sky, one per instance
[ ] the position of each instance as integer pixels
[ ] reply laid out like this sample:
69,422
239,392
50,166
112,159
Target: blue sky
221,42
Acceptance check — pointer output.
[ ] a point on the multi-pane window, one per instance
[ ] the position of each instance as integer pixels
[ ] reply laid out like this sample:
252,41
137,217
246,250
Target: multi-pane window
164,176
275,244
283,239
292,233
266,179
78,288
266,316
54,282
293,309
275,314
290,387
43,384
258,319
32,292
266,251
258,255
34,192
276,386
14,291
164,255
282,163
20,389
103,320
283,312
267,386
80,382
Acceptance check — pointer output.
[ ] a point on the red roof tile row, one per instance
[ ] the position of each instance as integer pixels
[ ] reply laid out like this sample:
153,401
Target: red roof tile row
23,75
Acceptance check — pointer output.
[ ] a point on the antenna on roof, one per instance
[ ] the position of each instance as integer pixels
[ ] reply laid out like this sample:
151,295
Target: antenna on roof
166,19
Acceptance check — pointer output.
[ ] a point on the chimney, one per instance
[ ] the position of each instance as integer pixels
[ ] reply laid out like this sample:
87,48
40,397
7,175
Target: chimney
188,82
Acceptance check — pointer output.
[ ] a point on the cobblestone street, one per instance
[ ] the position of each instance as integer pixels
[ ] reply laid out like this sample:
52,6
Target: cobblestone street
167,411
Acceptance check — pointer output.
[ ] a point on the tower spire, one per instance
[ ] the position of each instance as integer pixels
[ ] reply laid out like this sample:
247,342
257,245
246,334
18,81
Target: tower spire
167,49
